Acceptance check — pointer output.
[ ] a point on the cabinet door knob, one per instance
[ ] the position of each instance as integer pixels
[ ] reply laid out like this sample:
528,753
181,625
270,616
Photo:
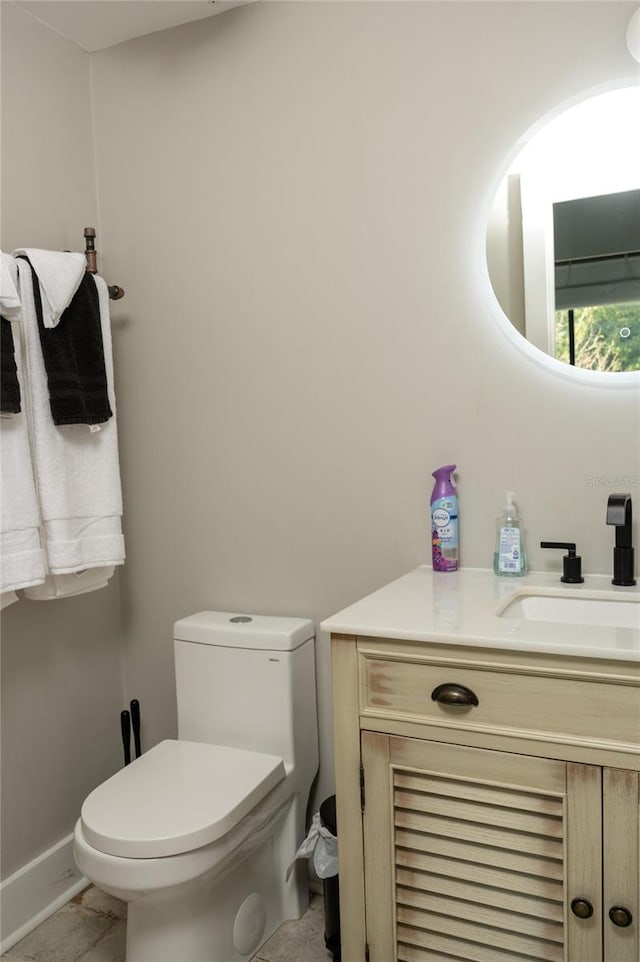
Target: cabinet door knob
620,916
450,694
582,908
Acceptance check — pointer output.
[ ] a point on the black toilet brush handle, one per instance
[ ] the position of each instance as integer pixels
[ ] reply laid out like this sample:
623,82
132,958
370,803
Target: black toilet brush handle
125,728
135,721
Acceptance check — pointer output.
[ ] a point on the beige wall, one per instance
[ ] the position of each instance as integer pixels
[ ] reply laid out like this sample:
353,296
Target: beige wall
293,196
61,660
48,168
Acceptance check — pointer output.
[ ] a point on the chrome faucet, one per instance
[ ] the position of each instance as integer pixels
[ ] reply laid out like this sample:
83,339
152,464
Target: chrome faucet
619,514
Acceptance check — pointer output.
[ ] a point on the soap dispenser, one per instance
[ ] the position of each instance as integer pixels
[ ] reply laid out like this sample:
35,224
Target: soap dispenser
509,559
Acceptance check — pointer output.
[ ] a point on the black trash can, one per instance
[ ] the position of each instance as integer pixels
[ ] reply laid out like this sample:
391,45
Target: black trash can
331,887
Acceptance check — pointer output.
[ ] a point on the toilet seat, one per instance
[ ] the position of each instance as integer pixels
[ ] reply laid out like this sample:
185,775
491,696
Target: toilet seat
177,797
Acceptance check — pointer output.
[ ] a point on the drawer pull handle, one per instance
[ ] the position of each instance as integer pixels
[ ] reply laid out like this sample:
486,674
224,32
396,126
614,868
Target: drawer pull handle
456,695
582,908
620,916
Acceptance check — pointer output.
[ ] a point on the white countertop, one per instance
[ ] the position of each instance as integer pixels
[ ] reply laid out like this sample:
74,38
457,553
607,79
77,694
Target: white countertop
463,607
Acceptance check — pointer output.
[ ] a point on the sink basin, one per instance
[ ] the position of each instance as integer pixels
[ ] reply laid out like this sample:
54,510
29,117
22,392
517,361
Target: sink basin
612,612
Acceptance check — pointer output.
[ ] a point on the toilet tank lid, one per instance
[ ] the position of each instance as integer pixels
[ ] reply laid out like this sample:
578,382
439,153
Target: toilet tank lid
227,629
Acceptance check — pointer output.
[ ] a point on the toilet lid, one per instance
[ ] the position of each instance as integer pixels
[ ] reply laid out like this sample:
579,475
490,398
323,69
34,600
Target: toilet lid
176,797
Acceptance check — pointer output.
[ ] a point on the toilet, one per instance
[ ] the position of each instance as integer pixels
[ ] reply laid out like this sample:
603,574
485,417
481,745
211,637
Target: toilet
199,834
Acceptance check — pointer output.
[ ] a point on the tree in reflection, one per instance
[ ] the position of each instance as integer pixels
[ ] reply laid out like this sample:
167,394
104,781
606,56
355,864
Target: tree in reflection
607,337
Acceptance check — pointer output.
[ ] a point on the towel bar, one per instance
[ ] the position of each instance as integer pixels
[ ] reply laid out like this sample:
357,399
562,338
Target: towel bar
115,292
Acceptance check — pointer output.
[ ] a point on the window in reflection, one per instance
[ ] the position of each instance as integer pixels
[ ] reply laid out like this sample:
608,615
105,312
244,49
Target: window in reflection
599,338
597,281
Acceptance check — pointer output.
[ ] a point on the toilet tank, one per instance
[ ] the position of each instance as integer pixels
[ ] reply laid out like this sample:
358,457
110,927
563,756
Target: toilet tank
248,681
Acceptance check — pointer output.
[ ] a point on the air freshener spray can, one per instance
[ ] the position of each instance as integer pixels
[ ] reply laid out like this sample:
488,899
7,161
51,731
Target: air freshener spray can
444,521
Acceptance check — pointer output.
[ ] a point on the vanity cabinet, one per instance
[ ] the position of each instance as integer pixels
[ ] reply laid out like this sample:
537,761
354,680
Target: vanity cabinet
488,803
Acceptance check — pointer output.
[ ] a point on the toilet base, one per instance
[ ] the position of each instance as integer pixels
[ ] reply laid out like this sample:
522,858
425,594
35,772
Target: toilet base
226,919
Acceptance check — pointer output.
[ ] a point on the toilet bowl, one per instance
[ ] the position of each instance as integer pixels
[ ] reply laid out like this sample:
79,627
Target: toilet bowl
198,836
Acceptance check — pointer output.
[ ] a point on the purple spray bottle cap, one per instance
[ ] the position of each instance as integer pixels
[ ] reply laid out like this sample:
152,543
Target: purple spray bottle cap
443,485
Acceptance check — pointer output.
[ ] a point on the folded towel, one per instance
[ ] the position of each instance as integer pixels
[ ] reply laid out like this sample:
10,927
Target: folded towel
73,355
9,384
68,586
77,469
22,560
60,274
9,299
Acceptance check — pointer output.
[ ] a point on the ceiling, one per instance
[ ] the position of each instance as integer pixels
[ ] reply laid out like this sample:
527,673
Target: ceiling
95,24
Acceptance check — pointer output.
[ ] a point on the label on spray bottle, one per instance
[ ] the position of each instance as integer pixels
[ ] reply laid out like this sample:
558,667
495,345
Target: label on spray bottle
444,534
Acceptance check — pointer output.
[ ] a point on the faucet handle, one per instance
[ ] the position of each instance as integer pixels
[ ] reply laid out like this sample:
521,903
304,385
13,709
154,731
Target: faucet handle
571,563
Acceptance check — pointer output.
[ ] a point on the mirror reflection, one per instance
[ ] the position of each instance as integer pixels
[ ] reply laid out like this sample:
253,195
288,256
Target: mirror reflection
563,240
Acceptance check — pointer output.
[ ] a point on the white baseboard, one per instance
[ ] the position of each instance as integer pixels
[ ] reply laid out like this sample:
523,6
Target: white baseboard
37,890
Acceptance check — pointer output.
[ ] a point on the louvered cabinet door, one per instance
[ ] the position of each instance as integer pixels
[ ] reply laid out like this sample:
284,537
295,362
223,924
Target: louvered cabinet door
470,858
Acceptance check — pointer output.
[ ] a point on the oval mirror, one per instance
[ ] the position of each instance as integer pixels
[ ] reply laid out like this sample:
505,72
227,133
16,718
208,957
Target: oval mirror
563,240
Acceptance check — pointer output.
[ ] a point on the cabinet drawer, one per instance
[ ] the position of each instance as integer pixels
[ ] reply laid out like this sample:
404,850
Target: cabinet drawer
509,702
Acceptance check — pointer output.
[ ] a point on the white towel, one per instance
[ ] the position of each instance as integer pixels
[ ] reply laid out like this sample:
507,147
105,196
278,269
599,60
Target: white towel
9,299
76,467
59,273
67,586
9,310
21,555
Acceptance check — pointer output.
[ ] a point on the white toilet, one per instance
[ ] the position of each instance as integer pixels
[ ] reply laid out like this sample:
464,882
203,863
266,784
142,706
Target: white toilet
199,835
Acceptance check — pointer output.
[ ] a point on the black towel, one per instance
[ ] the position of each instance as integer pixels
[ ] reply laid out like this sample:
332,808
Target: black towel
73,354
9,384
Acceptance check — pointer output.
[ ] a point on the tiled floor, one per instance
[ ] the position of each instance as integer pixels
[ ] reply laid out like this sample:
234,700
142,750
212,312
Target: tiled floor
91,928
